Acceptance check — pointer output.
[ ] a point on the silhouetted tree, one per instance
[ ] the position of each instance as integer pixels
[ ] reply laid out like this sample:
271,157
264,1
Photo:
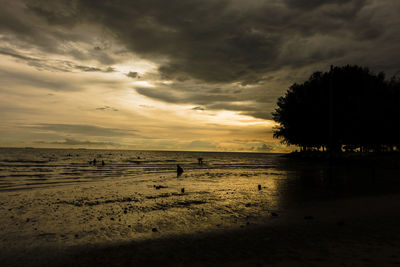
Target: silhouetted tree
346,108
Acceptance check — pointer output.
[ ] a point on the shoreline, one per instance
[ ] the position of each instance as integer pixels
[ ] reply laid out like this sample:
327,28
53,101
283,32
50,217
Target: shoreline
352,231
324,155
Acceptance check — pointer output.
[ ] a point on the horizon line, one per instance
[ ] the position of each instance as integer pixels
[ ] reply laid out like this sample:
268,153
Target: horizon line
150,150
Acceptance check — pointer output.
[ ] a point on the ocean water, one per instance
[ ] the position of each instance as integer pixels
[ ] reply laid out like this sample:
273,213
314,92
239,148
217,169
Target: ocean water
24,169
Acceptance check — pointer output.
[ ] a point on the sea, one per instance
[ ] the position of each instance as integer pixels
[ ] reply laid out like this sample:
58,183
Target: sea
60,197
28,168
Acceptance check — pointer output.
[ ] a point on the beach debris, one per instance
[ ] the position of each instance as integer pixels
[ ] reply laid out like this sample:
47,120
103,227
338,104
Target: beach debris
259,187
182,190
159,186
308,217
274,214
179,170
154,230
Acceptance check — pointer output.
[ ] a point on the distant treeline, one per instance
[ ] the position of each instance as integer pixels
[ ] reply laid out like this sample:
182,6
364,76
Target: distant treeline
346,109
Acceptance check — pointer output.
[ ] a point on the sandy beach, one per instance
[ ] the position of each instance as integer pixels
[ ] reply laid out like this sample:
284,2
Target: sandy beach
236,209
348,232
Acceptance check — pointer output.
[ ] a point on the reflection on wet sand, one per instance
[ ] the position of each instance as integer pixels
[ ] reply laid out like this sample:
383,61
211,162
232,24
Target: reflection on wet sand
310,180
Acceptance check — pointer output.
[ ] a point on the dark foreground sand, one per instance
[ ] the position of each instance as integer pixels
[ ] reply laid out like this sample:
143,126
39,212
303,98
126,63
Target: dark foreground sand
348,232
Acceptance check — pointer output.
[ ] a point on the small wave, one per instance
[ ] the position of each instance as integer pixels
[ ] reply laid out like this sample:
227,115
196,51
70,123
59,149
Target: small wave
24,161
134,161
26,175
37,179
41,170
71,173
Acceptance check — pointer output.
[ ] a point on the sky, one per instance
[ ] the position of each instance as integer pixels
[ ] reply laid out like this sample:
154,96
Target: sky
174,75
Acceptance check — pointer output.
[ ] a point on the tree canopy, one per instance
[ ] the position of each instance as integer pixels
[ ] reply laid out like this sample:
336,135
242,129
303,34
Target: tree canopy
345,108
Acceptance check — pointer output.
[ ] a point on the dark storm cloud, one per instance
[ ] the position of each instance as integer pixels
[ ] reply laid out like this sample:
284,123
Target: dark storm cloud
216,41
255,110
219,42
310,4
185,98
257,101
88,130
22,28
132,74
88,69
52,65
107,108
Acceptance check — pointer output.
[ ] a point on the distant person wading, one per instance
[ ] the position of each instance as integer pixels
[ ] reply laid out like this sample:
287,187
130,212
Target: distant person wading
179,170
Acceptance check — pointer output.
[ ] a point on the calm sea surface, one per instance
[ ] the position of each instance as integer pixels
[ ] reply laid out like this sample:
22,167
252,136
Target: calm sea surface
22,169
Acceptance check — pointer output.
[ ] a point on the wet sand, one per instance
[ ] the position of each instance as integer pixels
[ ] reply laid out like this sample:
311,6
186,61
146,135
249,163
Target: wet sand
361,231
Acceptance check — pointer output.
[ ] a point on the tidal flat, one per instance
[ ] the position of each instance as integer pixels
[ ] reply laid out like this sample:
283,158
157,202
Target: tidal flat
57,208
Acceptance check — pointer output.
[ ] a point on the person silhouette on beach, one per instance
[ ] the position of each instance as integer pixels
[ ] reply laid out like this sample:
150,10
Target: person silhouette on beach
179,170
200,161
94,161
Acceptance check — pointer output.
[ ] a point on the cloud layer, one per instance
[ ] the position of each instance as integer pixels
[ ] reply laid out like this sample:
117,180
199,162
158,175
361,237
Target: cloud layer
225,41
212,55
